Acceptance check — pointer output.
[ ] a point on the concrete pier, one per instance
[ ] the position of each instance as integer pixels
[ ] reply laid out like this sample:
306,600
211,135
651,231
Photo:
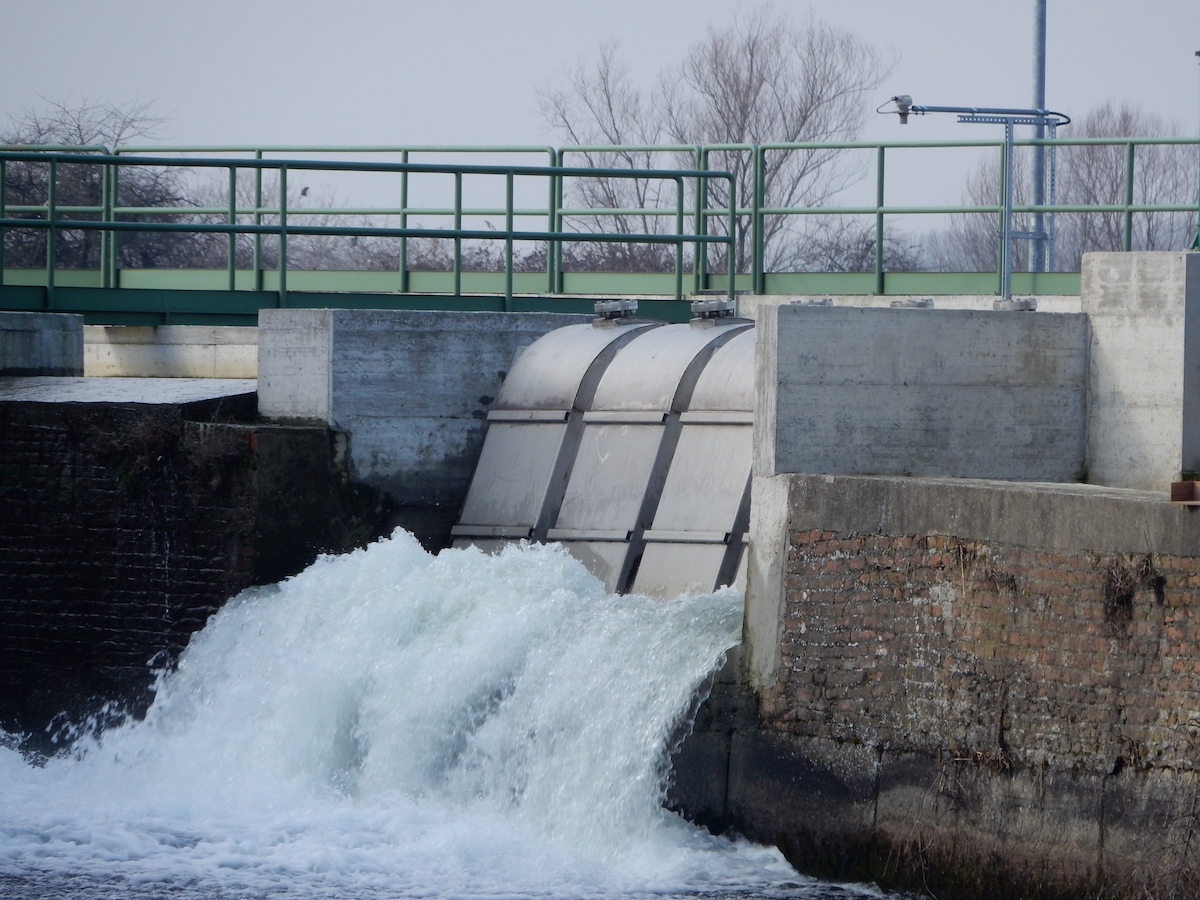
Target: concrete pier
1144,367
410,389
46,344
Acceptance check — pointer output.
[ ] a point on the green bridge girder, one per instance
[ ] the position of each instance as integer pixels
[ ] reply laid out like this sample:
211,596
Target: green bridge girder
199,297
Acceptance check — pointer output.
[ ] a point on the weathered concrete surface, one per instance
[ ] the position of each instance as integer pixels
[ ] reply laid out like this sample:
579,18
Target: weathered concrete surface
149,391
977,688
411,389
34,344
748,305
170,351
921,392
1144,383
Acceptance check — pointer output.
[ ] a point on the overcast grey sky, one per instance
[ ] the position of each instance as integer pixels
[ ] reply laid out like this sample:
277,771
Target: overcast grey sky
414,71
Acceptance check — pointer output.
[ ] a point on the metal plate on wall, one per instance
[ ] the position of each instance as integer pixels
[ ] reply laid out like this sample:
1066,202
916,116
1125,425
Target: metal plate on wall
533,430
695,541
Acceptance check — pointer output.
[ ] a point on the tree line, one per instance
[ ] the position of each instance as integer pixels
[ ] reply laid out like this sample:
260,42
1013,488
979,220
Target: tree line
763,78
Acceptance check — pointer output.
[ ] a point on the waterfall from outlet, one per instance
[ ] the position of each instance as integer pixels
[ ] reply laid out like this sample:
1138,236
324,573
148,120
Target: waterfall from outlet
394,724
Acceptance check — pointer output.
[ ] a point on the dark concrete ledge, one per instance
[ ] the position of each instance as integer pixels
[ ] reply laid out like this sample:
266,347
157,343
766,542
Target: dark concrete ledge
122,391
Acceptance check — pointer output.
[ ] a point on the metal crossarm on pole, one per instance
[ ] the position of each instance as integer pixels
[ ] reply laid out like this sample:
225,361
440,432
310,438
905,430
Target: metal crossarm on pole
1009,118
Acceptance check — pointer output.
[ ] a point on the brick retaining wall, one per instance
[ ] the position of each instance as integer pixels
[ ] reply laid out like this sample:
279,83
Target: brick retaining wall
124,527
1026,656
978,689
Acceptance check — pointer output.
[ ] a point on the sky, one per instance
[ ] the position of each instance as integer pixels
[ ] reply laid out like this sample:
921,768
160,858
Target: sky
468,71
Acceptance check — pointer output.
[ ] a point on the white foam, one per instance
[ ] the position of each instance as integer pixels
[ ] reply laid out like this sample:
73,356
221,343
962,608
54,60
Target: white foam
393,723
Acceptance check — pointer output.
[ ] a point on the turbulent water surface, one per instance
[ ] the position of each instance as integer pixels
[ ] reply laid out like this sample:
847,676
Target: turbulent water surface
391,724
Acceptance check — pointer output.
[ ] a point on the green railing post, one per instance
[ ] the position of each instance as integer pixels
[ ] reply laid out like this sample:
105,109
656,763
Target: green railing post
283,261
556,207
114,244
1127,224
458,239
508,242
758,244
3,211
258,201
679,236
699,262
404,224
106,206
731,237
879,221
232,250
51,231
550,211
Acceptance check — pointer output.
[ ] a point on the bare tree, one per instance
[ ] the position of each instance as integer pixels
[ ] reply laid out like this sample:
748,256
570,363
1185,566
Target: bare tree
970,243
762,79
87,124
600,106
1092,174
1095,174
84,123
847,244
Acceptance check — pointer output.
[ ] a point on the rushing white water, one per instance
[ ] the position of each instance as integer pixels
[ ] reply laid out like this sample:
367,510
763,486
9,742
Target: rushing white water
393,724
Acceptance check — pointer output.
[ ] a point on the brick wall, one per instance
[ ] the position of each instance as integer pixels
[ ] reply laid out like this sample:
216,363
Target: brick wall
979,689
1022,656
124,527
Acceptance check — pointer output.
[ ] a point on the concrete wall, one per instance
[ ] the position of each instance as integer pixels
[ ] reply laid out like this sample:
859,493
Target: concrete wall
1144,413
412,389
41,344
975,688
975,394
170,351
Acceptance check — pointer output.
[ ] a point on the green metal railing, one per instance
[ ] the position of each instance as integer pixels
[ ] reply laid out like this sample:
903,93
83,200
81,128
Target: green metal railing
403,212
722,225
757,211
110,226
